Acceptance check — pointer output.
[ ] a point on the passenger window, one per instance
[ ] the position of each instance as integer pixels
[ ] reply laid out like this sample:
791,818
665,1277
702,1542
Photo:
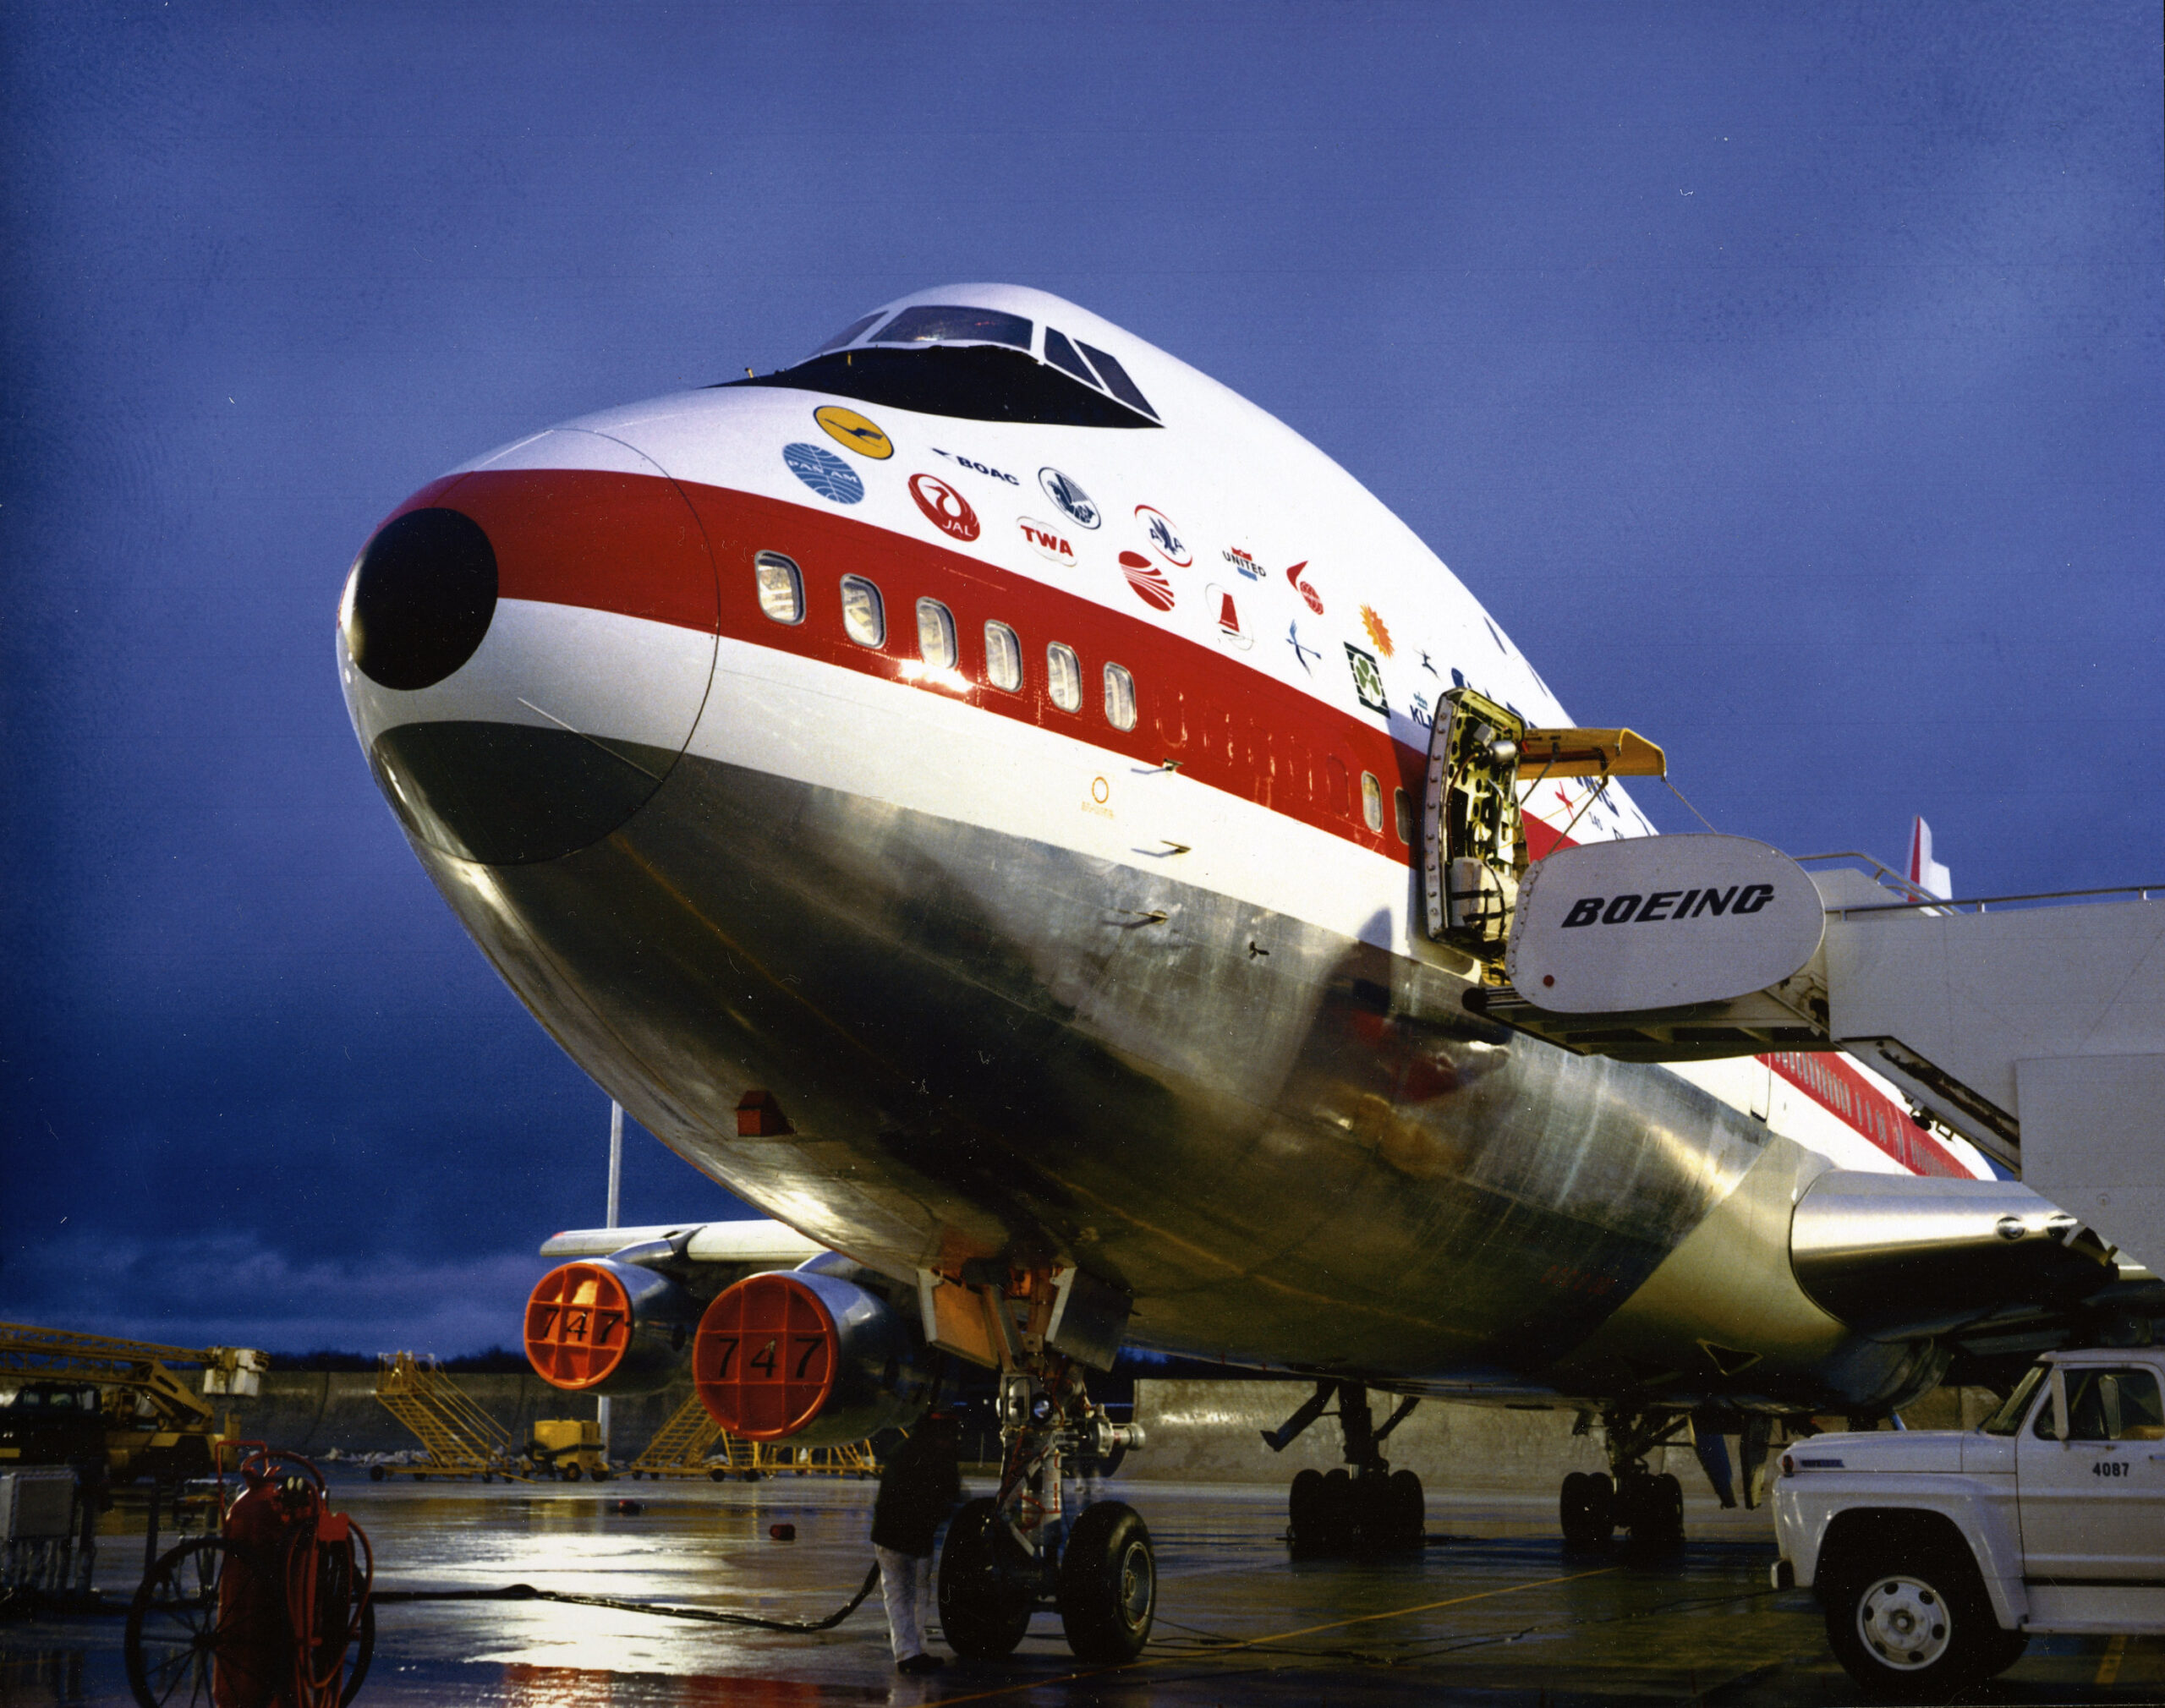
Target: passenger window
1372,801
1119,697
1064,677
935,634
2113,1405
1404,804
1003,657
782,588
864,618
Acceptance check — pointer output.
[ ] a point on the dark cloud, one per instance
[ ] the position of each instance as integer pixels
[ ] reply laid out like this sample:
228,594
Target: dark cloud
1786,381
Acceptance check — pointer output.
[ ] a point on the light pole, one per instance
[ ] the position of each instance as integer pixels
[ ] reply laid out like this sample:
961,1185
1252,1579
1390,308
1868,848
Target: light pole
616,1180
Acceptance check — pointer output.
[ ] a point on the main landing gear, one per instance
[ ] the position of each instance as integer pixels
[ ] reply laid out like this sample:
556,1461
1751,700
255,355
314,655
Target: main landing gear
1648,1505
1364,1506
1011,1554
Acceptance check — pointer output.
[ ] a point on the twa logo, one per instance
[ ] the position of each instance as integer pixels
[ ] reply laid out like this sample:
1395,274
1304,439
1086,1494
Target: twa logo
946,509
1147,580
1219,603
1307,593
1046,542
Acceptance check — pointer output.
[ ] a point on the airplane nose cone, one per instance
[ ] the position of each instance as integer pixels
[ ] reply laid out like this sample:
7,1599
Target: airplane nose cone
420,599
525,648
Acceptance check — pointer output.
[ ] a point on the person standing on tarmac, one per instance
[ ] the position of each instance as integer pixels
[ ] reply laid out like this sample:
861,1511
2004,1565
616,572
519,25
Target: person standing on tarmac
919,1489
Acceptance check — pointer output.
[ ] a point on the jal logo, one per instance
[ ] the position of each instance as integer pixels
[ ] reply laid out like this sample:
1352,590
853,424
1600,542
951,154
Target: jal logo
1221,605
1307,593
1047,541
1669,903
1075,504
946,509
1147,580
977,468
1165,538
1241,561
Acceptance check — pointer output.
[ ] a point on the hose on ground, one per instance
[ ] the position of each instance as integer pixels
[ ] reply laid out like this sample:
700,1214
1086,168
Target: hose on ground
527,1592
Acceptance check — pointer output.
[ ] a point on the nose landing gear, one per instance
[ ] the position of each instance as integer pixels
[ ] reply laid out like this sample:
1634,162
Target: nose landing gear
1022,1550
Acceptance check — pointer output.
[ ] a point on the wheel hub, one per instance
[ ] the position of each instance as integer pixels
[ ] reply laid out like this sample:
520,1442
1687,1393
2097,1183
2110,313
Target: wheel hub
1903,1622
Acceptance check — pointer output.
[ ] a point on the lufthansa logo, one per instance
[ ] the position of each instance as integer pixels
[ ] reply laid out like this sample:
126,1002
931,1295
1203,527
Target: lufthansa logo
1668,904
853,432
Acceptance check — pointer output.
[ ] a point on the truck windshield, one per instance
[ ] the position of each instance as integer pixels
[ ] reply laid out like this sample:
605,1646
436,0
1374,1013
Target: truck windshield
2009,1418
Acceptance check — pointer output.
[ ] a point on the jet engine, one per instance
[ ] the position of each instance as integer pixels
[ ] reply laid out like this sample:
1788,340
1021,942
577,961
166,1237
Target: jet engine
606,1326
814,1355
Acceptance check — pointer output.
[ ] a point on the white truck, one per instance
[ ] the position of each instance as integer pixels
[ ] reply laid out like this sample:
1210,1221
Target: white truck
1935,1554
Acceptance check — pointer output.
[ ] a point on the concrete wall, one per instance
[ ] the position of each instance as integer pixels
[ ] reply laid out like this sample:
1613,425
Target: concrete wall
1211,1431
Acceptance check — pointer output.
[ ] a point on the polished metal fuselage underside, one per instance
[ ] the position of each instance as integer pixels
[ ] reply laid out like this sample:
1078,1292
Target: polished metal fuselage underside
1294,1148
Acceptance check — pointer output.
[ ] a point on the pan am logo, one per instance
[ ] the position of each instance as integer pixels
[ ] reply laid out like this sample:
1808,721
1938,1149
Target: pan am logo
824,471
1367,680
1075,504
1165,538
1147,580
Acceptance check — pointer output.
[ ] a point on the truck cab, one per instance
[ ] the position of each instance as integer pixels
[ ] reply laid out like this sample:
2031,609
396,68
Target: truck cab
1935,1554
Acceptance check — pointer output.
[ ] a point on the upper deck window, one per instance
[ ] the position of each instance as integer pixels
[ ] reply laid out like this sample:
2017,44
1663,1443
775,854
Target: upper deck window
1117,382
936,323
849,334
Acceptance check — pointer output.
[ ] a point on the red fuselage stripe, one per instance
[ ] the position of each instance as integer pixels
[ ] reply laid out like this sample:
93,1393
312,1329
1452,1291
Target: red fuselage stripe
621,543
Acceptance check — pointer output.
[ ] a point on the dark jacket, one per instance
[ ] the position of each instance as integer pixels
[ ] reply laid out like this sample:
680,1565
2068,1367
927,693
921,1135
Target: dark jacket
918,1490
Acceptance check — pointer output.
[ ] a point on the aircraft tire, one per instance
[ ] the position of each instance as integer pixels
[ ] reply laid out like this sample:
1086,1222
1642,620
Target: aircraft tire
1108,1585
984,1601
1588,1510
1303,1507
1409,1510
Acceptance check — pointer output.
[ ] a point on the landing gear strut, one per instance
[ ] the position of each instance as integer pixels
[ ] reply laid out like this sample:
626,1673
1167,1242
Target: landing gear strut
1364,1507
1018,1551
1649,1505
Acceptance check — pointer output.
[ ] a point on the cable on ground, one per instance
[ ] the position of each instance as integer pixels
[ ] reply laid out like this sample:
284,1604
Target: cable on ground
527,1592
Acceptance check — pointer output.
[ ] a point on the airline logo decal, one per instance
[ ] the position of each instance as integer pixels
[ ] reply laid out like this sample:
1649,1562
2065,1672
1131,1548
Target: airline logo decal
946,509
1377,632
1367,680
1219,602
1046,542
1241,561
977,468
1307,593
1165,538
1075,504
824,471
853,432
1300,651
1147,580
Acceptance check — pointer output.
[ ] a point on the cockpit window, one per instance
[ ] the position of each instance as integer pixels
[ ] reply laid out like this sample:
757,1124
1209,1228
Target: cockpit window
849,334
1117,382
935,322
1062,354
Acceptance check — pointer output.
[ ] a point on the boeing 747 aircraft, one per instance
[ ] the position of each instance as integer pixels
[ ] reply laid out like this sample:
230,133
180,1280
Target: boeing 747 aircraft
966,793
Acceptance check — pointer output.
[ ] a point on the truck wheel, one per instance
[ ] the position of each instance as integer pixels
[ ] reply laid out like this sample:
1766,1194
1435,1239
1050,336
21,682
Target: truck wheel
1914,1625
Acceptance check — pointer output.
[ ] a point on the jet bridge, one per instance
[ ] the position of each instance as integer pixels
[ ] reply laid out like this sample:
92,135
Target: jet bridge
2034,1026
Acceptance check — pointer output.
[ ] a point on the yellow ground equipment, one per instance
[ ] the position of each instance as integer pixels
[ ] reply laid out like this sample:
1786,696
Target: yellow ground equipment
851,1459
77,1394
682,1446
570,1447
460,1438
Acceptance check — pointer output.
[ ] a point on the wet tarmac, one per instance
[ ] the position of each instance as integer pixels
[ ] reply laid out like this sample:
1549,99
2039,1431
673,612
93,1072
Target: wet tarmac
1491,1609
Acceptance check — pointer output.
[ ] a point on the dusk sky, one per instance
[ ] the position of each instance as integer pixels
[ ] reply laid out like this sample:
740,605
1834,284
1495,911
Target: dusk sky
1787,380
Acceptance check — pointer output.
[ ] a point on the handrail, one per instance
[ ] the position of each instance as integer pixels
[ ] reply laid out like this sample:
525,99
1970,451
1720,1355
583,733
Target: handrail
2140,891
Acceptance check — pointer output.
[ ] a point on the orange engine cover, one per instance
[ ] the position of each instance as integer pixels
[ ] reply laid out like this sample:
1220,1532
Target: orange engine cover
578,1326
766,1356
